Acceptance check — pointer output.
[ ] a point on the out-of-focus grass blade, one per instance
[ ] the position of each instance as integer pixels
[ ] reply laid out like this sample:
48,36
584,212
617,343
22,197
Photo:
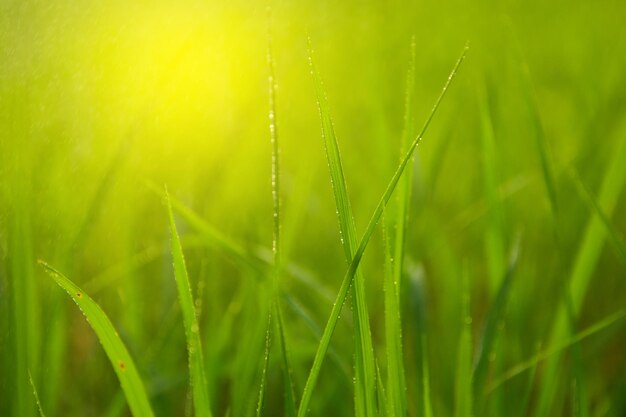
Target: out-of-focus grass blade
552,351
525,403
347,280
580,405
494,239
113,346
32,384
428,407
591,201
539,136
582,270
489,333
463,390
365,381
192,330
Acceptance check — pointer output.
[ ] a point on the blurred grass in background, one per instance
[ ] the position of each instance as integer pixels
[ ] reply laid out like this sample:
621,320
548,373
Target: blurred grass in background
97,100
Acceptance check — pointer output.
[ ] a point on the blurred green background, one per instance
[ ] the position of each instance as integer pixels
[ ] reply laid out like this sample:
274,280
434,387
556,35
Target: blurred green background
99,99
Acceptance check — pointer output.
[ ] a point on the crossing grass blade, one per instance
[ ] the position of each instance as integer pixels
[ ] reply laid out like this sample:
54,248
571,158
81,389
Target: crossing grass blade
582,270
115,349
32,384
587,196
192,330
555,349
347,280
365,380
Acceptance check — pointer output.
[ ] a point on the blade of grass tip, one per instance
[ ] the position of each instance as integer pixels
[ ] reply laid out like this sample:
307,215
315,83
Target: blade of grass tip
348,277
541,142
192,330
582,270
555,349
489,333
32,384
365,372
213,236
115,349
289,391
396,383
494,237
463,389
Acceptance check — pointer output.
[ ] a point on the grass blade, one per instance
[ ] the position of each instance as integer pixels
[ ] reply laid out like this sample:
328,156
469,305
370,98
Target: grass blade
261,402
489,334
113,346
32,384
347,280
494,236
192,330
394,254
550,352
365,381
583,268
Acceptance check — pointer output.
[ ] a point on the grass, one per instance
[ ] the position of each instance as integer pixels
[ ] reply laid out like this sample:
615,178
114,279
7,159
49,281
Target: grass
314,255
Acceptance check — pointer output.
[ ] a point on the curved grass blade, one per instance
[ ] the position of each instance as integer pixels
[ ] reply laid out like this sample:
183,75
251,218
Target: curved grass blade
348,277
192,330
365,380
32,384
113,346
548,353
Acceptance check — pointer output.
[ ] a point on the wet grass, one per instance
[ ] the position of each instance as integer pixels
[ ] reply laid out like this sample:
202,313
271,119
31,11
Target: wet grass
310,257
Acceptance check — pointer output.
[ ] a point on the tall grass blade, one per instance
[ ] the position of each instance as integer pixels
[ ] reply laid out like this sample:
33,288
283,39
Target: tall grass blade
365,381
32,384
192,330
115,349
394,253
347,280
582,270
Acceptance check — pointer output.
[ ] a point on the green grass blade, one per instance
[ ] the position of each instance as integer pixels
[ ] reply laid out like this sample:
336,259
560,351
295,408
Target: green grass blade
463,389
428,406
554,350
583,268
347,280
115,349
32,384
192,330
489,334
494,236
365,381
260,408
394,254
592,202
